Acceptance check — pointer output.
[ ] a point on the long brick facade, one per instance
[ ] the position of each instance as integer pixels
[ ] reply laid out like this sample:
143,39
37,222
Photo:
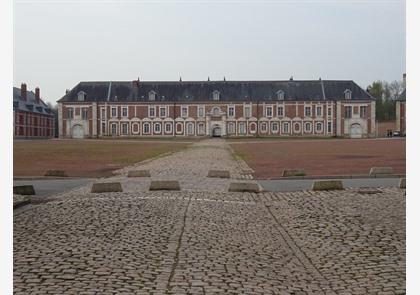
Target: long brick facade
32,118
82,115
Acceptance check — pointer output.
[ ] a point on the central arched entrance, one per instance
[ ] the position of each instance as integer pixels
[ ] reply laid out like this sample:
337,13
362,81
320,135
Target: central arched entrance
217,131
77,131
356,131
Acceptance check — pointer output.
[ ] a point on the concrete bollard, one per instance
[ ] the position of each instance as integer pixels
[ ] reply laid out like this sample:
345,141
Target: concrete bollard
219,173
380,171
402,183
164,185
244,187
106,187
24,190
325,185
138,173
293,172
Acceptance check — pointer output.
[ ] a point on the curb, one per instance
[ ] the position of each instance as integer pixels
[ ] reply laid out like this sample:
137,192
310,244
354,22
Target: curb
335,177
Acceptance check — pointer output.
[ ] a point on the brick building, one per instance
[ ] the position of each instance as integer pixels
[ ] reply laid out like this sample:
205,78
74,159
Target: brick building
32,118
400,113
217,108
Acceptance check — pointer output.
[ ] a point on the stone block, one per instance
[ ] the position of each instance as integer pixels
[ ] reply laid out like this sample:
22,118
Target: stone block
402,183
325,185
19,201
380,170
106,187
293,172
57,173
219,173
164,185
24,190
244,187
138,173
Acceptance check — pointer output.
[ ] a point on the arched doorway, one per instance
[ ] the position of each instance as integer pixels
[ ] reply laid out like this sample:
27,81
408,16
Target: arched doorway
355,131
217,131
77,131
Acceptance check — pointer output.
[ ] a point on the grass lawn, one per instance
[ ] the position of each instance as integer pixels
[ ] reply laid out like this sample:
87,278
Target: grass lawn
321,157
85,158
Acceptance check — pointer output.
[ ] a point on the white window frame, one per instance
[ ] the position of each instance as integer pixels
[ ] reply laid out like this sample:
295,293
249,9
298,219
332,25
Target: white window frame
152,95
321,112
310,111
316,127
299,130
182,111
84,111
144,127
247,107
231,108
201,129
188,131
216,95
160,112
329,111
122,112
170,127
347,94
267,112
231,127
241,128
138,128
103,113
112,112
351,112
112,129
122,129
265,129
283,125
274,130
200,111
81,96
281,107
306,129
149,112
365,111
329,127
280,95
157,130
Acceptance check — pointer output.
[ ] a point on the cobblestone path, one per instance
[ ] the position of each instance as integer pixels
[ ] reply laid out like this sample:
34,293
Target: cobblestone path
199,241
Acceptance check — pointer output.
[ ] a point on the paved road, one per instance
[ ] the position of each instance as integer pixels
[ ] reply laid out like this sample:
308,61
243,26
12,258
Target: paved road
306,184
50,187
204,240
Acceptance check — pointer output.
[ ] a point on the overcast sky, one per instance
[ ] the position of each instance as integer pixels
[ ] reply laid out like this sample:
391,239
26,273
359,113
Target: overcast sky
59,43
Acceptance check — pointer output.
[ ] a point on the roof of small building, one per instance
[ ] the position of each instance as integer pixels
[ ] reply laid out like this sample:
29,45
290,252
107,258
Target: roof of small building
30,104
196,91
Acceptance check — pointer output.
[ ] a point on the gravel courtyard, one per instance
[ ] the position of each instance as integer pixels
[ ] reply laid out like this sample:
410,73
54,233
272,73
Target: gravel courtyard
205,240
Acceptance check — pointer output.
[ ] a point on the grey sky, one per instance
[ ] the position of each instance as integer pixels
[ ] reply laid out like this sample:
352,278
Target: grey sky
58,44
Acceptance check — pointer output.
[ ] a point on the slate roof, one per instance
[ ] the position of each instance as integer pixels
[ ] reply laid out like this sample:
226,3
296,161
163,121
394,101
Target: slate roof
303,90
30,105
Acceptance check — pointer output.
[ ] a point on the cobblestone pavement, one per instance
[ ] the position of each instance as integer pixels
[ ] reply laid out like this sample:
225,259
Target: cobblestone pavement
203,242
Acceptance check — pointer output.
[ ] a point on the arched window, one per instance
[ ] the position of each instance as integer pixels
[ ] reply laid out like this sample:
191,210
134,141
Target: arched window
347,94
216,95
81,96
319,127
280,95
146,128
216,111
152,95
308,127
190,128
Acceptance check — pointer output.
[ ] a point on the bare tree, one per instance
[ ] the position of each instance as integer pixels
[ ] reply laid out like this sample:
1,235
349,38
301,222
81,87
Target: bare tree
396,88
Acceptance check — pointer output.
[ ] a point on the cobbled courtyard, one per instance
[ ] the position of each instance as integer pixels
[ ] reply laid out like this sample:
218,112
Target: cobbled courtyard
206,240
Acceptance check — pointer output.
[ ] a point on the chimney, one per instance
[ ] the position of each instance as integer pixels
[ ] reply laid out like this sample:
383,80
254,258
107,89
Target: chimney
37,97
23,93
67,91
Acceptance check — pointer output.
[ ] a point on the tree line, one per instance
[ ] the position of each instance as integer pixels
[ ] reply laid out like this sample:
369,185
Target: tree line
386,94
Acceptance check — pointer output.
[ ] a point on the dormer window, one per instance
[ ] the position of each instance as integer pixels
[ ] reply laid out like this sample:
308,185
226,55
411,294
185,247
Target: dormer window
216,95
81,96
152,96
280,95
347,94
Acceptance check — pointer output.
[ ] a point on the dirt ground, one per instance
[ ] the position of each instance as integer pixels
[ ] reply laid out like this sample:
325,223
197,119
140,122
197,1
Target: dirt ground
321,157
84,158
